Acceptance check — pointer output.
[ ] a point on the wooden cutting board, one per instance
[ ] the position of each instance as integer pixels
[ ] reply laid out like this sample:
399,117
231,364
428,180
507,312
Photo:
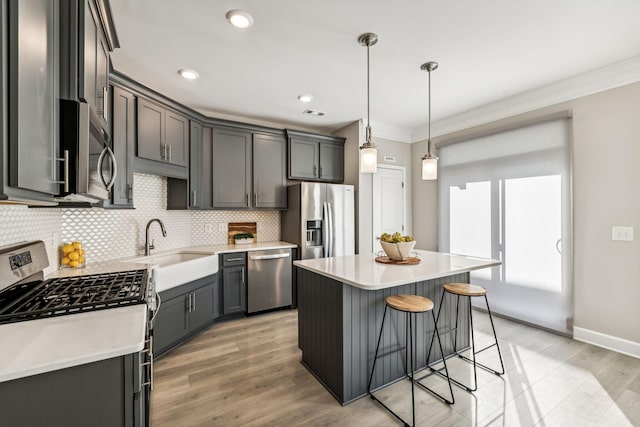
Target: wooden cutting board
242,227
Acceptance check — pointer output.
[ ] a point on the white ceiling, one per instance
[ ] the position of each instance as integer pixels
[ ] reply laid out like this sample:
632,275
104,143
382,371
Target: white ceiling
487,51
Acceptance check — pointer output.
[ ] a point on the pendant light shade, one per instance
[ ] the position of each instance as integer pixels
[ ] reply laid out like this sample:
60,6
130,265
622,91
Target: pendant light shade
429,161
368,150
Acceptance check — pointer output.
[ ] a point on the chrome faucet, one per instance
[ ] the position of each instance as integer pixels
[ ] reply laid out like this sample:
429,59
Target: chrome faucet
149,245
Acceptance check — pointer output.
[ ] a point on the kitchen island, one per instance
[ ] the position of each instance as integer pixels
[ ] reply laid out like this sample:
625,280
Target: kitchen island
340,305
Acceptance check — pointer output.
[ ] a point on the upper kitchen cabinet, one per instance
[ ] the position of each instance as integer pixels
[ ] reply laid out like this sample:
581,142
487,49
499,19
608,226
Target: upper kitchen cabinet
249,169
315,157
163,134
87,37
30,101
123,134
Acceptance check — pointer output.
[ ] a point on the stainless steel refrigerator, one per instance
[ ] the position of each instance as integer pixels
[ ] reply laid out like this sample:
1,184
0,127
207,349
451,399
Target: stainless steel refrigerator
320,219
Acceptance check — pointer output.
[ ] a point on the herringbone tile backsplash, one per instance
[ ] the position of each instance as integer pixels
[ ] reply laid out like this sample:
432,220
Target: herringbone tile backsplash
111,234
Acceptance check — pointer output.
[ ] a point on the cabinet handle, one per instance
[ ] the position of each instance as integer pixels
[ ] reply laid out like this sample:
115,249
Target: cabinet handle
193,198
193,305
129,193
189,303
255,198
169,153
320,174
247,197
65,159
105,102
314,170
233,259
242,276
163,152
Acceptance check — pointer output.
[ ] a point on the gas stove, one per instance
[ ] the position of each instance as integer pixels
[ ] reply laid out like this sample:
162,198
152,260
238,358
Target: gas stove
24,295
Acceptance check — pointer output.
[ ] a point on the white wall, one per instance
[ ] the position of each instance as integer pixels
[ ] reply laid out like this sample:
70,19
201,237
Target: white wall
606,173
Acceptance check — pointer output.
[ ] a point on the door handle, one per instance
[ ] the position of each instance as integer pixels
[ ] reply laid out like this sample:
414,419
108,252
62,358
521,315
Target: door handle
274,256
105,102
115,168
65,179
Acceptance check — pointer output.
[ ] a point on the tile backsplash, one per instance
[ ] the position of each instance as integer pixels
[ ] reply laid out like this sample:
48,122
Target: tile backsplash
117,233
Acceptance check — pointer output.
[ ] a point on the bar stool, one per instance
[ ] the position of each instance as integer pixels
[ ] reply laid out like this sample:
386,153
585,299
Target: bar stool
408,304
469,291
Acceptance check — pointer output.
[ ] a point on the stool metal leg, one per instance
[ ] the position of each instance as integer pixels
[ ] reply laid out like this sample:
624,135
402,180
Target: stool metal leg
375,357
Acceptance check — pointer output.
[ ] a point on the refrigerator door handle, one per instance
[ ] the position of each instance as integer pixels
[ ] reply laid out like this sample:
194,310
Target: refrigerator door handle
325,230
331,229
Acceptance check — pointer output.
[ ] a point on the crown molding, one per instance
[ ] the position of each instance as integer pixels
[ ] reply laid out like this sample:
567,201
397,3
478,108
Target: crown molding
390,132
602,79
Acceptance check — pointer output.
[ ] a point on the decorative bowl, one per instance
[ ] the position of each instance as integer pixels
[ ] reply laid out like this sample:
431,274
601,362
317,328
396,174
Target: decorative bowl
398,251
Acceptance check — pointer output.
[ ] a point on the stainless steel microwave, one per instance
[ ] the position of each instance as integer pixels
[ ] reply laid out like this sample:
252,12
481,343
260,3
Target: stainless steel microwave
90,166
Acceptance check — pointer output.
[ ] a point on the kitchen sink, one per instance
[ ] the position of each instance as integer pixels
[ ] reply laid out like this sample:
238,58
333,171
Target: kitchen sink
176,268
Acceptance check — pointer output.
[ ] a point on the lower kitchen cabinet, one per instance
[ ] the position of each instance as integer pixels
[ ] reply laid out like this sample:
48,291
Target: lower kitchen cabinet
234,283
184,310
110,392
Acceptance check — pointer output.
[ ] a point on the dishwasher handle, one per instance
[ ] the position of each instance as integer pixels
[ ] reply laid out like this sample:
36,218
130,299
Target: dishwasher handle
274,256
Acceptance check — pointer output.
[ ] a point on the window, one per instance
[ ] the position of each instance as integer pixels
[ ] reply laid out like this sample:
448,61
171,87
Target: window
507,196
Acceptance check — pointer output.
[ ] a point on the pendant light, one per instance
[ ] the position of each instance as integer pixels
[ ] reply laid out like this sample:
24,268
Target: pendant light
368,150
429,161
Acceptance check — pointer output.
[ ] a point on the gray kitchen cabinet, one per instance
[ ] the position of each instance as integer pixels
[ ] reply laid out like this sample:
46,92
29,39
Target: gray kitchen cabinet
123,134
231,165
315,157
109,392
234,285
195,166
30,101
248,169
269,171
184,311
163,134
87,36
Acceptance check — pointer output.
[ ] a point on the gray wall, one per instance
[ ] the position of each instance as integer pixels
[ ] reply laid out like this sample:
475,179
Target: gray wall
606,155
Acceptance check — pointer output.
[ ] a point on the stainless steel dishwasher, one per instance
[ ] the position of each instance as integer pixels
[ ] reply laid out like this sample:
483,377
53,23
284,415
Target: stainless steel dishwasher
269,279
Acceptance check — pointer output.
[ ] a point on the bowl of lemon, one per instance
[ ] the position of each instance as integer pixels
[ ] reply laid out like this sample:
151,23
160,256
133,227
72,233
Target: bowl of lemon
72,255
397,246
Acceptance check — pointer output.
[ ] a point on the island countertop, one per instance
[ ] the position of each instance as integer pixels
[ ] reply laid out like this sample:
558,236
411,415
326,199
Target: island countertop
362,271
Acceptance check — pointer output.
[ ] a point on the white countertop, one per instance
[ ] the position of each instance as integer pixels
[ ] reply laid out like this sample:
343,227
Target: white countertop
37,346
364,272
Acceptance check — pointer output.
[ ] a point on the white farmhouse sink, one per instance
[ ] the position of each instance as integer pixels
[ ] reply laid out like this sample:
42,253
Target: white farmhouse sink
176,268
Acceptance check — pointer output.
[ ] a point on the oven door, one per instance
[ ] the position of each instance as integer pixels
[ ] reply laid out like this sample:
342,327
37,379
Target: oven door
87,146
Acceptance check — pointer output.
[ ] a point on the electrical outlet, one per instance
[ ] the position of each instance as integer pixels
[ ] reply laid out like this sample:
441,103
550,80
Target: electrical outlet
222,227
624,234
208,228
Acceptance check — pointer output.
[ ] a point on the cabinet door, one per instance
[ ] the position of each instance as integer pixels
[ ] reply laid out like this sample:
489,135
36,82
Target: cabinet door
177,138
269,177
207,169
195,166
123,141
234,290
202,303
33,101
303,159
170,324
331,161
88,88
231,168
151,137
102,79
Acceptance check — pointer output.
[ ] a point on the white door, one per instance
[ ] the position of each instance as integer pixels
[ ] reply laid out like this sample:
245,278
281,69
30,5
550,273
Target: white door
389,202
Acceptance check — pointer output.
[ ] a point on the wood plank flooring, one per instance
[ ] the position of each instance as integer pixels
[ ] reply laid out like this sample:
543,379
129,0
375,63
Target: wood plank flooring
247,372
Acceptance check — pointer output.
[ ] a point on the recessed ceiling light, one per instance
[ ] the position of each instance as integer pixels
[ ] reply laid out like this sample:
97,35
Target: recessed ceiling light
314,112
239,19
188,73
305,98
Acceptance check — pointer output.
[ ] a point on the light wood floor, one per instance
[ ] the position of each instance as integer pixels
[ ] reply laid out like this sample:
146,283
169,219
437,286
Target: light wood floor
247,373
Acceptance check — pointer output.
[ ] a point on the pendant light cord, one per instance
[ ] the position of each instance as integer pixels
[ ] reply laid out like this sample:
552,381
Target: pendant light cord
368,138
429,126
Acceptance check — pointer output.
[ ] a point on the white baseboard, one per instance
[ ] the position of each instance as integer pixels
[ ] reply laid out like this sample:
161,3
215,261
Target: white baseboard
609,342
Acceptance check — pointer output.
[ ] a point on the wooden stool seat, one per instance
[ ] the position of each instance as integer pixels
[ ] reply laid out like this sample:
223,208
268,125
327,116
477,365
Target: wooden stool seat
409,303
465,289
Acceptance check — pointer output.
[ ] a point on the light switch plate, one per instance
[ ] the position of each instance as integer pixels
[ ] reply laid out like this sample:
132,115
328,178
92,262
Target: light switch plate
624,234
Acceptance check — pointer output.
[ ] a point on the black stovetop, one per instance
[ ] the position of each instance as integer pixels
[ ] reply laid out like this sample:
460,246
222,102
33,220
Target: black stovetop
69,295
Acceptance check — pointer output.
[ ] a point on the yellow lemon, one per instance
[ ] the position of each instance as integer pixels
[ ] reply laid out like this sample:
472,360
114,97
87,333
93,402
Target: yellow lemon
65,261
73,264
77,245
81,259
81,251
67,248
73,256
